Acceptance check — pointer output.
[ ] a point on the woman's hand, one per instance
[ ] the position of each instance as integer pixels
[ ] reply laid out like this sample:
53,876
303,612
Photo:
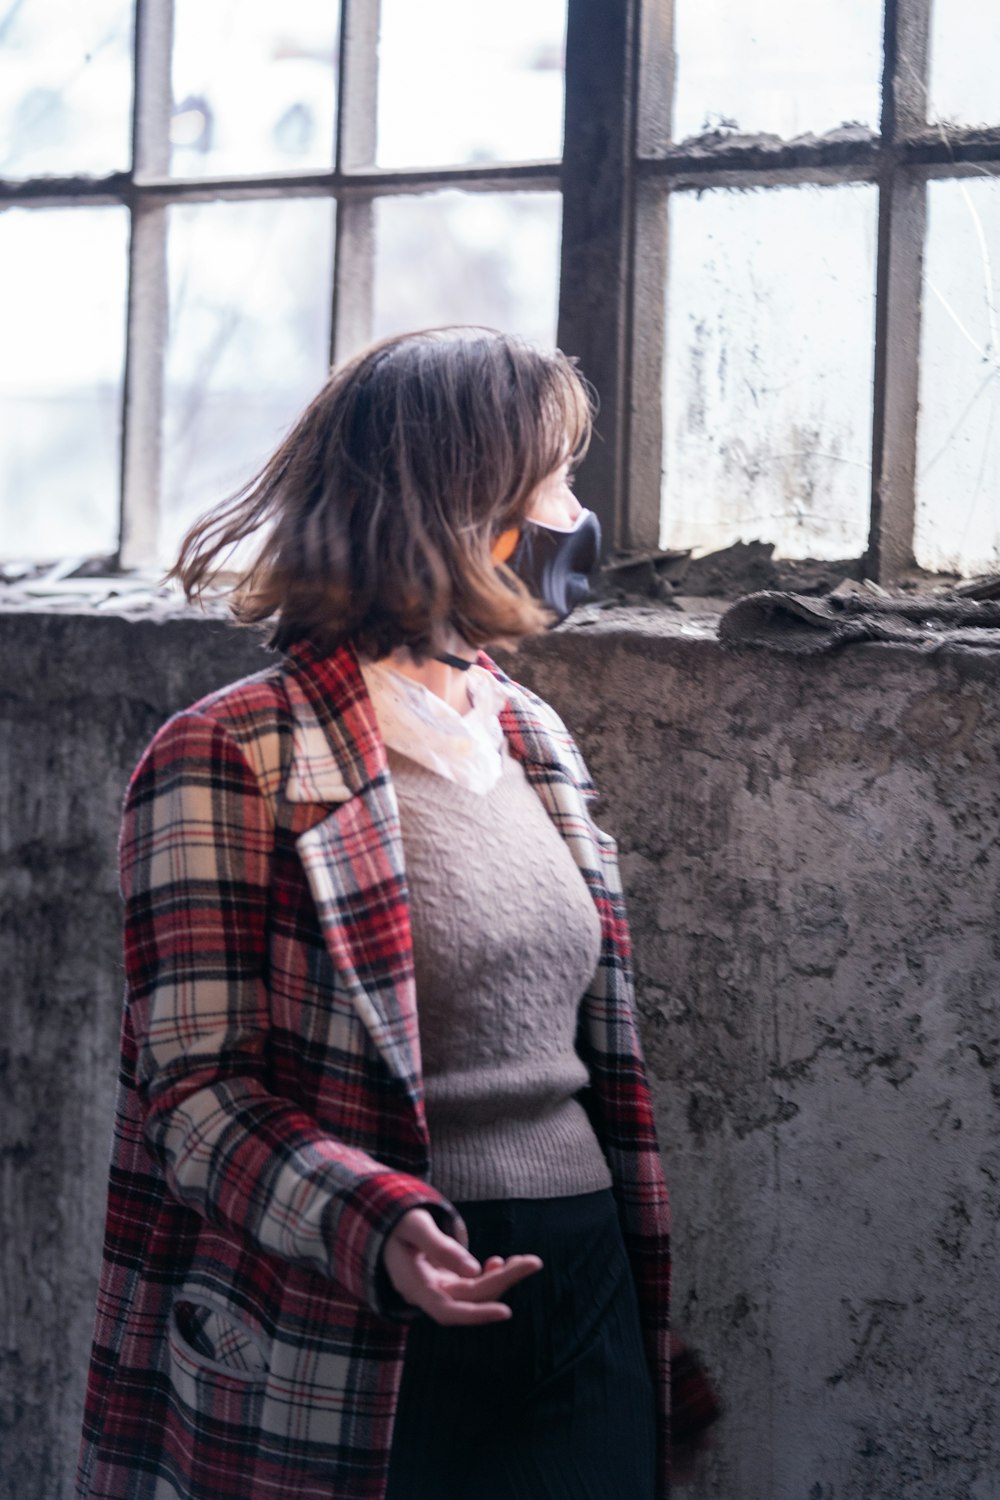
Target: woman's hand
432,1271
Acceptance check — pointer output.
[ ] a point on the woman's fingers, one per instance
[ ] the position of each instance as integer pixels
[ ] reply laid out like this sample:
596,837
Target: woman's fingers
438,1293
455,1301
420,1235
434,1272
450,1314
491,1284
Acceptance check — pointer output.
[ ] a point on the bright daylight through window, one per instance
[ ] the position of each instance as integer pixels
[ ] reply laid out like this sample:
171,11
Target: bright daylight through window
770,236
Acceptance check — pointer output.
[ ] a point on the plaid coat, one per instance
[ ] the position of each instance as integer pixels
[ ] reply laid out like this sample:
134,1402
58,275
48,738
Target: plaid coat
270,1127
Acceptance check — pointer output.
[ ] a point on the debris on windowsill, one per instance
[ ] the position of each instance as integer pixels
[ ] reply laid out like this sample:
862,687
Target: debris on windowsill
985,587
724,138
649,575
74,583
935,586
806,626
700,604
806,595
670,576
861,586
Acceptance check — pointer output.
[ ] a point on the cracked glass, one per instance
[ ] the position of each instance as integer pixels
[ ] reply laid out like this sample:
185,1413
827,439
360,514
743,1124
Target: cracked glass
62,311
248,346
776,66
958,435
768,374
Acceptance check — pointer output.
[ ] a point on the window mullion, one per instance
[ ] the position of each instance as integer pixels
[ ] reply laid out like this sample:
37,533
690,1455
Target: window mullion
642,498
357,131
142,424
596,240
657,77
642,502
902,224
147,314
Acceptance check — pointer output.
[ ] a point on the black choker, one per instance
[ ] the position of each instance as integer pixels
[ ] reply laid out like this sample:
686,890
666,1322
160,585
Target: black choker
454,661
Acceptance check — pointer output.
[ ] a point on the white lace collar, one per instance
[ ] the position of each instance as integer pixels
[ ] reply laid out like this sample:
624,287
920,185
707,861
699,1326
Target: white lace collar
465,748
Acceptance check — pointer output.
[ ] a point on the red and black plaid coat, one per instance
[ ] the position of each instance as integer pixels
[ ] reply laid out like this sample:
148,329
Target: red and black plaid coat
270,1126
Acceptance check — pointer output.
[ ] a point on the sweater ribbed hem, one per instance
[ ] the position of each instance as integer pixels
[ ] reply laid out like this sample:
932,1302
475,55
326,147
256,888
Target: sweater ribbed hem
555,1156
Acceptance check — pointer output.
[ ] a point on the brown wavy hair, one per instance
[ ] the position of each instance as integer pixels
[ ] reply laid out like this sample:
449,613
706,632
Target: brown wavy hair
379,510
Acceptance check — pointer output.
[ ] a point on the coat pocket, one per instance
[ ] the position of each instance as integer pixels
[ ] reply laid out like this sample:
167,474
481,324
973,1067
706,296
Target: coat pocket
210,1336
218,1366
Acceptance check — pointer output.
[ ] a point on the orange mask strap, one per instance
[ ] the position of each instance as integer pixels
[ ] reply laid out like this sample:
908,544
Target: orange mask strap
503,547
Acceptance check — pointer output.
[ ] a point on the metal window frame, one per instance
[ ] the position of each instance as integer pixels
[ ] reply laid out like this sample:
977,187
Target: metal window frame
900,159
147,190
617,172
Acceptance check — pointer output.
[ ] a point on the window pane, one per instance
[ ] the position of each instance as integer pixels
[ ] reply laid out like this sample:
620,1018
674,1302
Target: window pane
65,87
965,61
249,331
459,82
456,257
62,311
253,86
777,65
770,329
958,451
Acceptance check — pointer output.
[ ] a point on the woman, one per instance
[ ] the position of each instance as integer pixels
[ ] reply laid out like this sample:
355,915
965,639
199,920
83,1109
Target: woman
343,1260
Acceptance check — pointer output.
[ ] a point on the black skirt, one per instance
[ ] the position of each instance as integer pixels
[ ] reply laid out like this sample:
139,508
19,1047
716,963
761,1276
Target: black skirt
557,1403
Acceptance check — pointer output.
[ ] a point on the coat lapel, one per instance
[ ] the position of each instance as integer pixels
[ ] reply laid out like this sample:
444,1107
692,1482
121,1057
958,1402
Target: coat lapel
555,769
352,850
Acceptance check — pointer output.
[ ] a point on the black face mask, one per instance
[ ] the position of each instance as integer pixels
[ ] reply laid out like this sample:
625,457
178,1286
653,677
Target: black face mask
556,564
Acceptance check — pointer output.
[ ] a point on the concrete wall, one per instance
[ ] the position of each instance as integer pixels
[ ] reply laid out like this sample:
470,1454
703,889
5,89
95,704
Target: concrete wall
811,854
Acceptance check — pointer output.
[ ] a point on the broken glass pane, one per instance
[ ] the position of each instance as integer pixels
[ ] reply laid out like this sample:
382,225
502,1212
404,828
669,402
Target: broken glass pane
457,257
776,66
768,388
62,311
460,82
65,87
253,86
958,449
248,346
965,61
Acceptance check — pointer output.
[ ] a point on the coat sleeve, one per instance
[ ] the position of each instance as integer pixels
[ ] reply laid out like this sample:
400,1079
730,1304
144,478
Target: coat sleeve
195,854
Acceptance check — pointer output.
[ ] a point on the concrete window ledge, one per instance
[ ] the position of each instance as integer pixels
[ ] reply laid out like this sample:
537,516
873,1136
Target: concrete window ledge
811,852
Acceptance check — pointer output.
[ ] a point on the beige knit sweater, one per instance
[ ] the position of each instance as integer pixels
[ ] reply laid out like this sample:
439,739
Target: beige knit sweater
506,939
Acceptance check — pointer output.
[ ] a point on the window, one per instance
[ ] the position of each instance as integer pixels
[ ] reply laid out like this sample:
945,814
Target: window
238,193
819,193
769,237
